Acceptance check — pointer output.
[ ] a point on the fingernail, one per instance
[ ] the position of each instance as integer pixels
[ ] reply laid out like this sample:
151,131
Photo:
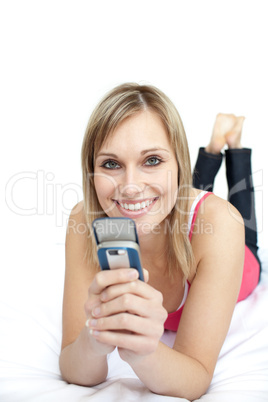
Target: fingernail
93,332
133,274
96,311
90,323
103,296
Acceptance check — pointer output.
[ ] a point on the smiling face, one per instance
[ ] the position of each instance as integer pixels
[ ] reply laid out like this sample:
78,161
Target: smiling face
136,172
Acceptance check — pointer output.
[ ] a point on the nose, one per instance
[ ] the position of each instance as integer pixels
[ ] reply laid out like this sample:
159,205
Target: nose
131,184
131,190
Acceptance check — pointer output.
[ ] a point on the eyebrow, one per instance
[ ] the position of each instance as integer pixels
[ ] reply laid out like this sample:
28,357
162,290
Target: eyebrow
145,151
153,150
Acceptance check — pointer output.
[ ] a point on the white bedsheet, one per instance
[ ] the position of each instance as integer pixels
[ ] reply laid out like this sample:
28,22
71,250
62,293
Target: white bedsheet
30,336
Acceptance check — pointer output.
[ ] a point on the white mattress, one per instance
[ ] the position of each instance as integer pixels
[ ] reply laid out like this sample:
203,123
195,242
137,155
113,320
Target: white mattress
30,337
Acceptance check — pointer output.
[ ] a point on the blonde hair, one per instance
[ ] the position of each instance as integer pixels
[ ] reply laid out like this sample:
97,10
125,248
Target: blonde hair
124,101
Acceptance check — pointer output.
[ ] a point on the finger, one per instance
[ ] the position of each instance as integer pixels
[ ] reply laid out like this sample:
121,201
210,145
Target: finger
138,288
92,302
110,277
127,322
146,275
125,303
131,304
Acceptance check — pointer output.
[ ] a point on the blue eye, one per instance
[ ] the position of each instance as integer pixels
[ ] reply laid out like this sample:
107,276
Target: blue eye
110,165
153,161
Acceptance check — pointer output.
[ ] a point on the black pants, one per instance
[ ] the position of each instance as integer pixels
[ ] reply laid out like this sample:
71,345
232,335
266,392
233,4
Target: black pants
240,185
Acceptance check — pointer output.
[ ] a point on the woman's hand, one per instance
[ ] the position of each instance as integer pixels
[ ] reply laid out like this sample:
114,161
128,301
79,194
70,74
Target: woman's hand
125,312
102,280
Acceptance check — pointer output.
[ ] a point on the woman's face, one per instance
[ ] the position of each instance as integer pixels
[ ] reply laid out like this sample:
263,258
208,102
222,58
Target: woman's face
136,172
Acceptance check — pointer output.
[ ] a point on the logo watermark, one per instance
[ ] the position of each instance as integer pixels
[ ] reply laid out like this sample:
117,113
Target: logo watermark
31,193
45,196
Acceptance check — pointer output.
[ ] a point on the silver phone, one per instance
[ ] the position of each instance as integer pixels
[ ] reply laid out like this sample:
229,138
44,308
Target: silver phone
117,244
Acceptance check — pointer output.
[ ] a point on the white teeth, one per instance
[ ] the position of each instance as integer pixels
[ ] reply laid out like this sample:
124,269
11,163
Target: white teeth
136,207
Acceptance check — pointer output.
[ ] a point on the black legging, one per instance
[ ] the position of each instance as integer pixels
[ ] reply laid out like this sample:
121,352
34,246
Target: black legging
240,185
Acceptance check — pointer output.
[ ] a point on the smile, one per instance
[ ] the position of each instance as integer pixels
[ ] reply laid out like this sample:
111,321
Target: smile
135,207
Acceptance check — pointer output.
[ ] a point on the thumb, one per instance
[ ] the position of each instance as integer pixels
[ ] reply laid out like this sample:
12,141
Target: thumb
145,275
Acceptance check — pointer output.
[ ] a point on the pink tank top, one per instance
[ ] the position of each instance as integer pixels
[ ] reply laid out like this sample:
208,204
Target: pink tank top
250,274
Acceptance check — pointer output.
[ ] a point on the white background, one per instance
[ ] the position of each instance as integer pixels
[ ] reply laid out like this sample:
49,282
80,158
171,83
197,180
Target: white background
59,57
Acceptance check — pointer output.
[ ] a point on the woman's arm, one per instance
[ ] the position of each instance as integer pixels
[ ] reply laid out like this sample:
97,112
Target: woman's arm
187,369
80,361
83,359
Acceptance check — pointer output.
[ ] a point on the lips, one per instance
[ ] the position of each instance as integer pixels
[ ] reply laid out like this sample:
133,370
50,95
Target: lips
142,206
137,206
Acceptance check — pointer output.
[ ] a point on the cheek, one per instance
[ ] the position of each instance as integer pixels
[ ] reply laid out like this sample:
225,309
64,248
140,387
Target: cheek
105,186
171,195
169,186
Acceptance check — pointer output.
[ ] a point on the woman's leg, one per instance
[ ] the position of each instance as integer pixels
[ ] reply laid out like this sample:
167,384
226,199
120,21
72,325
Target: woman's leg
228,130
206,168
210,158
241,192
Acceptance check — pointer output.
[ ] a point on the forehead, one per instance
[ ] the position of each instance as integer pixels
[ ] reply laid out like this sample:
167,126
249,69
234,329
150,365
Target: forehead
138,131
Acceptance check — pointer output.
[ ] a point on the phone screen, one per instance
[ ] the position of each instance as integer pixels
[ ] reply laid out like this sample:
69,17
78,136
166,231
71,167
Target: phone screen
111,229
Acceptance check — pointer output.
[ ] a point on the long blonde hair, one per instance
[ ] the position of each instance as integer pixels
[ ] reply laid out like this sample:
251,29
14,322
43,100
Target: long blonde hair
124,101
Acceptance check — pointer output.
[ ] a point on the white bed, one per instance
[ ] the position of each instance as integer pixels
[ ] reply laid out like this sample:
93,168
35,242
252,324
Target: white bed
30,337
53,72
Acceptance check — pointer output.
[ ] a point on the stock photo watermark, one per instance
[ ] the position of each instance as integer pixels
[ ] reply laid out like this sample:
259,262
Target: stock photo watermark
38,193
46,196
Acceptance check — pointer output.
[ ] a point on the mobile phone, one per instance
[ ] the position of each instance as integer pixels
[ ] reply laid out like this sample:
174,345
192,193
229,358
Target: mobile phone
117,244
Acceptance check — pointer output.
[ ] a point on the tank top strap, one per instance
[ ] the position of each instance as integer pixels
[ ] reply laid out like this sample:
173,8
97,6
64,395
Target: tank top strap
194,210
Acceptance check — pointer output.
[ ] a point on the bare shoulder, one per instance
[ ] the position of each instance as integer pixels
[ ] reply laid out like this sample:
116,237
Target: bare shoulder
221,213
76,234
77,220
214,207
219,228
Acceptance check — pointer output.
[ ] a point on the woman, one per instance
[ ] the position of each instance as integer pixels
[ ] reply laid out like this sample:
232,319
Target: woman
136,164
